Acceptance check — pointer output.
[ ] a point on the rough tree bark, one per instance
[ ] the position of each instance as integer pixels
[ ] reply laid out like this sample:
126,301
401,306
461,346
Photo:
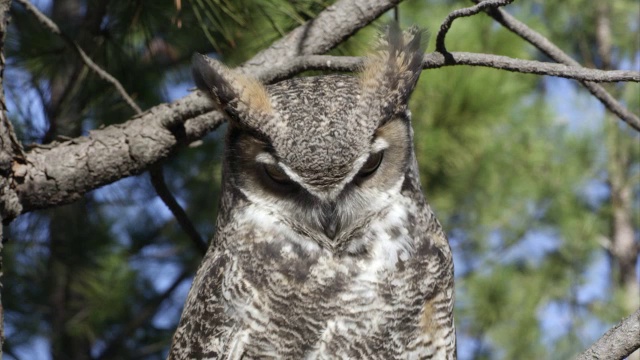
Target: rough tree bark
9,150
617,343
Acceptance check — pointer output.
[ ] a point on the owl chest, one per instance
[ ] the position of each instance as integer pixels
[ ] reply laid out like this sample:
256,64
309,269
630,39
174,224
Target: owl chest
295,300
280,276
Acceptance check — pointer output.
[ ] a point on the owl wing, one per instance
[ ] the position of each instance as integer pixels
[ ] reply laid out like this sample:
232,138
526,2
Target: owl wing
436,316
204,326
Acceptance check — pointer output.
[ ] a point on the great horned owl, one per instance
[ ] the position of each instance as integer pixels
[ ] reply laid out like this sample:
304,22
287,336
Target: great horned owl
325,247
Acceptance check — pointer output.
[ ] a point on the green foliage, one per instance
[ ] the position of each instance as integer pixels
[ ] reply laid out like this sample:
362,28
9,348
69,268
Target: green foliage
572,26
239,29
106,290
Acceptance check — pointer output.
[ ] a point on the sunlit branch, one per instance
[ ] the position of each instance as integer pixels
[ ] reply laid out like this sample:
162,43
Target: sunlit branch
437,60
617,343
555,53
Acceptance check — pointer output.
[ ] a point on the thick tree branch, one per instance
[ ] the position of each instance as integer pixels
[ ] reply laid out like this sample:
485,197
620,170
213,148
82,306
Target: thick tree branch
470,11
330,28
555,53
62,174
617,343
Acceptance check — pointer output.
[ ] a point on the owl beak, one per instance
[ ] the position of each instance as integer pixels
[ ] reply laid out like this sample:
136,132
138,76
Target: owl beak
330,227
330,222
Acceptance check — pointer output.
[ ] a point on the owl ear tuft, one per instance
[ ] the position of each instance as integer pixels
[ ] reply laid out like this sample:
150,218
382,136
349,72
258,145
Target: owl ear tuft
244,97
213,78
391,72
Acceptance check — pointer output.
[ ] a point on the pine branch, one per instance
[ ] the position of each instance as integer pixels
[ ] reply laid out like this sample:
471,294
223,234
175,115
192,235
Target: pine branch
62,174
104,75
330,28
555,53
617,343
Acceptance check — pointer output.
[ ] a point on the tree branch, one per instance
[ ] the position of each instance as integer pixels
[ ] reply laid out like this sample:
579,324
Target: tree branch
321,34
437,60
65,172
157,179
617,343
62,174
470,11
555,53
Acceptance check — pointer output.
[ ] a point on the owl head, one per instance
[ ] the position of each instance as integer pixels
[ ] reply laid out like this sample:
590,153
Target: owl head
324,152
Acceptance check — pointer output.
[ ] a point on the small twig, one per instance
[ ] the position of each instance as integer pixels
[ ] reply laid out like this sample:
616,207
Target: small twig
555,53
617,343
470,11
437,60
157,180
49,24
529,67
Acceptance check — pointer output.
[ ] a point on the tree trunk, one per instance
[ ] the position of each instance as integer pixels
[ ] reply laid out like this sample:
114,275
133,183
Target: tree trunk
623,248
9,149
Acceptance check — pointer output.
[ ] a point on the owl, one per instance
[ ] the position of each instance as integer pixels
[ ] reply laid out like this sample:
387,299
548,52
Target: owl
325,247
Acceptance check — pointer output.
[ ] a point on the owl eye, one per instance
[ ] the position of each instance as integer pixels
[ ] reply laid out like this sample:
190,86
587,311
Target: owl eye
275,173
371,165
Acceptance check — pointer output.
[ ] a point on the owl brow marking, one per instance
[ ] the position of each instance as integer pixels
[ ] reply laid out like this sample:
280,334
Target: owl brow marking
378,145
266,158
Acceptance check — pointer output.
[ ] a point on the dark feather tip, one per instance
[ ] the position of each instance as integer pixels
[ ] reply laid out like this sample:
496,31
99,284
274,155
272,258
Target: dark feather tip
203,74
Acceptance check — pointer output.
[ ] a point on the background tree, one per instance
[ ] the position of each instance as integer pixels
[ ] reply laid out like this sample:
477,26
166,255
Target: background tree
534,188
